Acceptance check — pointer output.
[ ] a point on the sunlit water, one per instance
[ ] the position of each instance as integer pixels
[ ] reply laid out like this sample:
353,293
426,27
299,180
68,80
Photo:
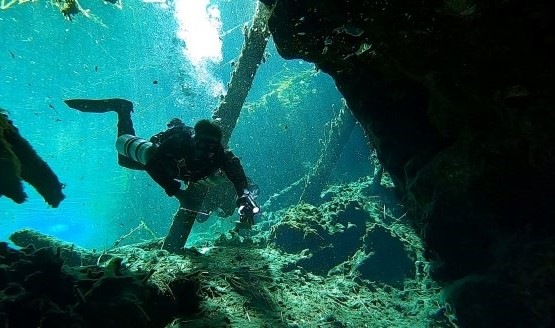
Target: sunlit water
172,59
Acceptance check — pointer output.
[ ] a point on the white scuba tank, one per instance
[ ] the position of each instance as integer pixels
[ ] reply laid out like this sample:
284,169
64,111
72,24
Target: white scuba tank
135,148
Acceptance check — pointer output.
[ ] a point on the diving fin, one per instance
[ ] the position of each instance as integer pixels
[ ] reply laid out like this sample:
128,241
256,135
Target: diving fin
100,105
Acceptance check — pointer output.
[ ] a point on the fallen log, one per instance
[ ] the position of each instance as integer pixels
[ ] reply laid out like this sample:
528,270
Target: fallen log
72,254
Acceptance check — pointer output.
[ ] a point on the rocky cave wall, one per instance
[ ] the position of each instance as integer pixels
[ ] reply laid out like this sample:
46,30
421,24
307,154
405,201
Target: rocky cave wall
457,98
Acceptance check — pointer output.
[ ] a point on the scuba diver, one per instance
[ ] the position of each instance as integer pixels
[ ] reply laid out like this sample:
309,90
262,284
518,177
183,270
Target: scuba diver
194,156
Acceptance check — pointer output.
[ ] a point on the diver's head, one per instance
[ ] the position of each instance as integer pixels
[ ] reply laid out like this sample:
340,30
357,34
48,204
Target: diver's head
207,137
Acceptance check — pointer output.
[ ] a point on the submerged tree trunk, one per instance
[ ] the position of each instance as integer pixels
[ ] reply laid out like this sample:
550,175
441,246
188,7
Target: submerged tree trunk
341,128
252,54
227,113
73,255
309,187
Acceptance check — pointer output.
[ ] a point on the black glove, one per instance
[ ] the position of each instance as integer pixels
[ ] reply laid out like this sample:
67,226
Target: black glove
247,208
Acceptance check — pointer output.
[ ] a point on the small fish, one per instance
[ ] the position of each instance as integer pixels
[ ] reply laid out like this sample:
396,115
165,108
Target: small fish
12,53
53,108
95,68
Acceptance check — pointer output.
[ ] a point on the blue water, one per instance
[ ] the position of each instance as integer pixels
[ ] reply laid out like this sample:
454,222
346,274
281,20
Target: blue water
136,53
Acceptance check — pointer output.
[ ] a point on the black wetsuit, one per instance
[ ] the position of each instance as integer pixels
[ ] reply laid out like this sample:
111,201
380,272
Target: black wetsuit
177,158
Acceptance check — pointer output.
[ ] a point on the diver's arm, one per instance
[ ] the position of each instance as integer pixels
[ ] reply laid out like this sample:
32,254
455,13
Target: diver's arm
234,171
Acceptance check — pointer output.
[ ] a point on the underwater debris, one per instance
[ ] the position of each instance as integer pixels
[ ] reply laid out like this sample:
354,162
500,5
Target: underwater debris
305,227
381,244
71,254
235,283
242,77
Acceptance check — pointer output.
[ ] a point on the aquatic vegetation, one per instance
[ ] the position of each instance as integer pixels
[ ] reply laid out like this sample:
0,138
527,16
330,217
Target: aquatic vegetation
288,87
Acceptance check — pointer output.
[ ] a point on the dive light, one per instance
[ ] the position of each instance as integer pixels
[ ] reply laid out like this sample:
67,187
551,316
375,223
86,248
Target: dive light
248,207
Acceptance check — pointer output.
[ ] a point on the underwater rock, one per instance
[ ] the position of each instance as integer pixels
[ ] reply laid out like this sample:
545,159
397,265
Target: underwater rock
457,99
347,235
19,161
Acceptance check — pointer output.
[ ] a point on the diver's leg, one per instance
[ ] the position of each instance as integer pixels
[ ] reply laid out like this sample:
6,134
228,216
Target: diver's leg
125,126
123,108
184,218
